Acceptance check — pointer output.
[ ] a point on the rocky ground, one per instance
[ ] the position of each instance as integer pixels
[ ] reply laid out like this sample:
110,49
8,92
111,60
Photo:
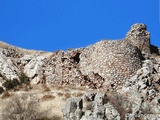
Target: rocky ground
125,75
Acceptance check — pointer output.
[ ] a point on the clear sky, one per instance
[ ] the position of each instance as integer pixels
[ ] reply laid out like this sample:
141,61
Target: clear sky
61,24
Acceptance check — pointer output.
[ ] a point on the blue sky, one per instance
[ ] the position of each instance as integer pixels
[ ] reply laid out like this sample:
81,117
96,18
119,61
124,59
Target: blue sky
61,24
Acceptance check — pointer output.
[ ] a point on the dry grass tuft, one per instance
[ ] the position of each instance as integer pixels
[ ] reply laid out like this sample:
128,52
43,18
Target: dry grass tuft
79,94
67,90
60,94
22,108
66,96
48,97
56,117
59,87
46,88
119,101
6,94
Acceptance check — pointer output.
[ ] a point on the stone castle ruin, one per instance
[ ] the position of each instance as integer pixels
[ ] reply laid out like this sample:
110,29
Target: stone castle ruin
117,60
104,64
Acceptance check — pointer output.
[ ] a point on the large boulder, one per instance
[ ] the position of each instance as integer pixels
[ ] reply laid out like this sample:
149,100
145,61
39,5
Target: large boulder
7,68
111,112
73,109
143,90
25,59
34,69
96,107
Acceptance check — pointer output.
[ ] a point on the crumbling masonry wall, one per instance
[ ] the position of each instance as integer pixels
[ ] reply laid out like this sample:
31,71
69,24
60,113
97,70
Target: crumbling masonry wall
104,64
117,60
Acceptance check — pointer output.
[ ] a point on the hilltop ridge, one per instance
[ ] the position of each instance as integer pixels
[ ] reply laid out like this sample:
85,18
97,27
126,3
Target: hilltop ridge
130,67
113,61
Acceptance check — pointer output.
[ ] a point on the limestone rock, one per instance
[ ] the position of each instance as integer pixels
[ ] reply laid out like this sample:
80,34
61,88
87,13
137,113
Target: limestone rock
143,89
26,59
7,68
35,68
111,112
73,109
99,112
87,116
101,109
89,96
100,98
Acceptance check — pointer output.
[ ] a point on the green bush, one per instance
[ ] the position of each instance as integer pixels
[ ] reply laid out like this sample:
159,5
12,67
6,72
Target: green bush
1,90
15,82
24,78
10,84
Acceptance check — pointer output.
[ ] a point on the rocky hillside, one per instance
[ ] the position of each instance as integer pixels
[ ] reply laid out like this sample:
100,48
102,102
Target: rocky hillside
129,67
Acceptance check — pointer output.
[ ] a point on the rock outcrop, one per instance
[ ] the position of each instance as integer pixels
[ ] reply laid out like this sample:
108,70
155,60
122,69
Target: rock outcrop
73,109
97,108
34,69
7,68
139,97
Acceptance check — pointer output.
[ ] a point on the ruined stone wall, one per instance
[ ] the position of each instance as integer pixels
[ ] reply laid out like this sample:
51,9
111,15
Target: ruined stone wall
138,36
105,63
115,61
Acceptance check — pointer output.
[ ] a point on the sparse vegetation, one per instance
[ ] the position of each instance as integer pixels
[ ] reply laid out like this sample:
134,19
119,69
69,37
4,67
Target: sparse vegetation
67,89
5,94
46,97
45,88
1,90
22,108
121,104
56,117
10,84
24,79
79,94
67,95
60,94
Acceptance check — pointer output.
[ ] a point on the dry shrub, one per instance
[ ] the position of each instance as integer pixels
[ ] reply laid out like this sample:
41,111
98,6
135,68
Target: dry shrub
67,95
56,117
6,94
59,87
46,88
47,97
67,90
79,94
60,94
24,79
23,87
120,103
10,84
44,118
22,108
1,90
